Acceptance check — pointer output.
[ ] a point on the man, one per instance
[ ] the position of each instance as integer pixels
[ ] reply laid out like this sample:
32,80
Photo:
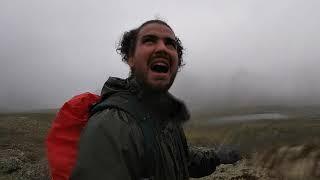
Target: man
136,131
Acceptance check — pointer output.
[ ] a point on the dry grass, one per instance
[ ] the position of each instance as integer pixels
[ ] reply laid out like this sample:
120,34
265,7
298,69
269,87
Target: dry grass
287,149
292,162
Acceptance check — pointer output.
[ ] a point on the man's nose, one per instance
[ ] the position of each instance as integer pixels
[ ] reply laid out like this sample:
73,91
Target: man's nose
161,46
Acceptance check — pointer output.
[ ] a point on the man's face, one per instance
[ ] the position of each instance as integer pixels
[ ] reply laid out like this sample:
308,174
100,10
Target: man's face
155,59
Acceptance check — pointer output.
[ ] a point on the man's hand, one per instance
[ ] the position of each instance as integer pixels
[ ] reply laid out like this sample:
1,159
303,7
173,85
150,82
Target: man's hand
203,161
228,155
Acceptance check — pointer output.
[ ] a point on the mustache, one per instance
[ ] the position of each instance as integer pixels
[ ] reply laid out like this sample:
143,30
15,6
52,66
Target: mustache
162,55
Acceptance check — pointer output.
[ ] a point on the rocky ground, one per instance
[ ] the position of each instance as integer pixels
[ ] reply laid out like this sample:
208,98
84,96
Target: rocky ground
299,162
22,154
239,171
16,166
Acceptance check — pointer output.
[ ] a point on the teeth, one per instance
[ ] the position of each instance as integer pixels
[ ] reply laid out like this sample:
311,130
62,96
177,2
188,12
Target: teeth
160,64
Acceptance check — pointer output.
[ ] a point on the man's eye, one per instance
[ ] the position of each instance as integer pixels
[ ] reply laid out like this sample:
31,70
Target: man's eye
172,44
148,40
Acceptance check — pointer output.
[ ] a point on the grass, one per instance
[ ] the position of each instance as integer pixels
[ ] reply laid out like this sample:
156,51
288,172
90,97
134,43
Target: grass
25,131
255,136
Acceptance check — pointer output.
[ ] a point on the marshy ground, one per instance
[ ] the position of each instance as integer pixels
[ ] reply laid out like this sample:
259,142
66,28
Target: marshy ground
283,147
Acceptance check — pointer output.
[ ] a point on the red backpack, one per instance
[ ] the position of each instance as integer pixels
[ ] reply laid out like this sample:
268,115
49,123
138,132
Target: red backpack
63,137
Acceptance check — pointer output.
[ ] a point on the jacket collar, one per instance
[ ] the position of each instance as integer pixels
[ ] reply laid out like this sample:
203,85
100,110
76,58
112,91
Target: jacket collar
163,102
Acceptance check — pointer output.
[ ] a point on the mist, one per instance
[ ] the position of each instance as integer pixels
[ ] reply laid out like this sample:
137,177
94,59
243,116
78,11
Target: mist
238,53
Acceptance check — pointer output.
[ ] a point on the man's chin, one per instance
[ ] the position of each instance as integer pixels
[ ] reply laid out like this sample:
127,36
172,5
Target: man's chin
159,86
154,84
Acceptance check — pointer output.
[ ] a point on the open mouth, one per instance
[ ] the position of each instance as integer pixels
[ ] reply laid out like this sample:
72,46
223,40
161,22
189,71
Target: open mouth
160,67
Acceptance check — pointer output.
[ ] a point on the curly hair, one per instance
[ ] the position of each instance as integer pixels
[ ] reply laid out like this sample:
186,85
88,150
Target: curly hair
127,44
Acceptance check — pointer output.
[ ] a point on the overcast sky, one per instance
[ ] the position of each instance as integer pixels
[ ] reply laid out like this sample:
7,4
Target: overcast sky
237,52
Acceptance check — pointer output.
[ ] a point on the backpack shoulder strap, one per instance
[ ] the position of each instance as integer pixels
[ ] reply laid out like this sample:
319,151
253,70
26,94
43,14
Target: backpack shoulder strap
131,104
123,101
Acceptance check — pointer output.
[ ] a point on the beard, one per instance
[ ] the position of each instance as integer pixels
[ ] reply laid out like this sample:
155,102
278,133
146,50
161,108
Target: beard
142,79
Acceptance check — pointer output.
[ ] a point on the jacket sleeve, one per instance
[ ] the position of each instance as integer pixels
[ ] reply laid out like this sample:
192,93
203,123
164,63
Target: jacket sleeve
109,148
202,161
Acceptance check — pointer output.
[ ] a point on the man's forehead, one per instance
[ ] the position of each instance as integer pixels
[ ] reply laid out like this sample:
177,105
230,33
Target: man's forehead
157,30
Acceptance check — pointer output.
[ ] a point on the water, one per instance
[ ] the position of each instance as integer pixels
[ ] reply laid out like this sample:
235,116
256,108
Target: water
250,117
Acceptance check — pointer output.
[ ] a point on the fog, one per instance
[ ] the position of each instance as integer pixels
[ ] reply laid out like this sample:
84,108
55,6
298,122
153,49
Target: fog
237,52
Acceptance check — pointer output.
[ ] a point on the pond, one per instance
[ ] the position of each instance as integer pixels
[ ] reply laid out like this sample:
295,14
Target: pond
250,117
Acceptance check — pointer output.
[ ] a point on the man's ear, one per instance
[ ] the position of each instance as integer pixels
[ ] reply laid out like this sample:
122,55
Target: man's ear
130,62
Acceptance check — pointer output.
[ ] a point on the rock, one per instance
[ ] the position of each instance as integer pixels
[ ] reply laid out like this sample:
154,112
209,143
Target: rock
242,170
37,171
16,166
11,160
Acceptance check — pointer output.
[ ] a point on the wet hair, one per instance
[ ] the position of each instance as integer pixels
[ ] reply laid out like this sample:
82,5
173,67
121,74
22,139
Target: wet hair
127,44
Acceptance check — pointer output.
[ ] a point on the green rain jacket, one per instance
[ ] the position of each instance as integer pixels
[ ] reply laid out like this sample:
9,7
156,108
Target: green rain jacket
114,145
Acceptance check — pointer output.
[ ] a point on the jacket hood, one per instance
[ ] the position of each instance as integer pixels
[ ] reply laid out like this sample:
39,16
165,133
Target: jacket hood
114,85
165,102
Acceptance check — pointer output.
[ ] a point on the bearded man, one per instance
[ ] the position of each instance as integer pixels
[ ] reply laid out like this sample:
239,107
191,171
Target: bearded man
135,131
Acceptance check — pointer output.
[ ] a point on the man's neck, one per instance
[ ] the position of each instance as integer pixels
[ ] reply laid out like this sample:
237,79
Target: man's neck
146,89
